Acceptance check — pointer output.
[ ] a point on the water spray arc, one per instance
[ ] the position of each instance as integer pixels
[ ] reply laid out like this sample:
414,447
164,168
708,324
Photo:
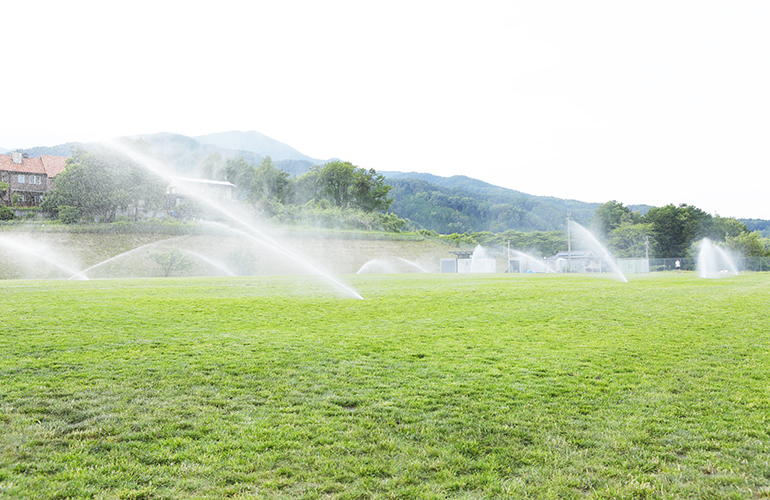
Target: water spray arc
596,246
249,230
713,261
398,265
28,249
414,265
211,262
82,274
537,265
269,243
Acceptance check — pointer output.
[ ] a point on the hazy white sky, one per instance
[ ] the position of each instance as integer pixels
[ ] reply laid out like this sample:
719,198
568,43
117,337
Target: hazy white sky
651,102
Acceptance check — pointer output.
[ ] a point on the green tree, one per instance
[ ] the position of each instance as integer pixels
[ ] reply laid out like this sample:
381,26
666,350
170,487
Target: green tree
336,180
535,243
269,183
748,244
610,216
346,185
630,240
143,190
370,191
239,172
304,189
676,227
173,261
722,228
102,184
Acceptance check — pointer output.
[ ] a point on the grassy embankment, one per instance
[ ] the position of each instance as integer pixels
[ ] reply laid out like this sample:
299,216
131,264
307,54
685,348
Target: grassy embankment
74,248
435,386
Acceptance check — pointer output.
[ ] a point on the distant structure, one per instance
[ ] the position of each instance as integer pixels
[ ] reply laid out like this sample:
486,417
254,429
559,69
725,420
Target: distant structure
469,262
574,262
588,262
182,187
634,265
28,179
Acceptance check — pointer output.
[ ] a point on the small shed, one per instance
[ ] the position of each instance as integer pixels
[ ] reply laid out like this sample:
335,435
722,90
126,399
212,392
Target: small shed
463,261
466,263
448,265
632,266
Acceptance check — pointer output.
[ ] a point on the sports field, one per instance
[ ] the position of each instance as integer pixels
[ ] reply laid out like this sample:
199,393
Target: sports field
434,386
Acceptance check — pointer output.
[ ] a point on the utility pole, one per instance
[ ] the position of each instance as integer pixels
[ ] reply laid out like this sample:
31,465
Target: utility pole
569,243
508,265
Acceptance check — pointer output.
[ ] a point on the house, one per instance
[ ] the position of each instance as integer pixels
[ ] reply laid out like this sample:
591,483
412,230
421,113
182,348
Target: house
28,178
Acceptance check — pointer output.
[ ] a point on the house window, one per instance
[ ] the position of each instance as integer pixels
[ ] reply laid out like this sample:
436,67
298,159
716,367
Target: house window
35,179
21,178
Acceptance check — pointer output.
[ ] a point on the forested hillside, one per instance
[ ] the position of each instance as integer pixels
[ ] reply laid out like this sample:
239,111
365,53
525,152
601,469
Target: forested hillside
761,225
478,206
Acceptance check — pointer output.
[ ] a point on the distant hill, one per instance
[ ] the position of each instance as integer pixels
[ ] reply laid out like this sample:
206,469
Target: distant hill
256,143
761,225
456,181
186,154
283,156
481,187
60,150
3,150
478,206
460,203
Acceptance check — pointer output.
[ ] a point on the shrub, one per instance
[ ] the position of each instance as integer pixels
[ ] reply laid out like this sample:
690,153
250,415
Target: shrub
6,213
69,214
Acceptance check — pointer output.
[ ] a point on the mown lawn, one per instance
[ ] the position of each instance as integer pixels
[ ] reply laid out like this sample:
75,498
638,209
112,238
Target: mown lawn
435,386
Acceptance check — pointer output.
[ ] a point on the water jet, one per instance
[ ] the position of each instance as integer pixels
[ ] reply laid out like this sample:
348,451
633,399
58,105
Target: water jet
592,243
249,228
38,251
713,261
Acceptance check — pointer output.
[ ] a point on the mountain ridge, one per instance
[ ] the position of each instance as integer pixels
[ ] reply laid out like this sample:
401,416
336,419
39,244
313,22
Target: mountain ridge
255,142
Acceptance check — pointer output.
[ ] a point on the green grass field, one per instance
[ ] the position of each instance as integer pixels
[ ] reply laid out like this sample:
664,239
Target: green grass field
435,386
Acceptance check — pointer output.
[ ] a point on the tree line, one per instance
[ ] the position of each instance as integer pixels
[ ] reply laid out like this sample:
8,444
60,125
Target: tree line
340,184
102,185
672,231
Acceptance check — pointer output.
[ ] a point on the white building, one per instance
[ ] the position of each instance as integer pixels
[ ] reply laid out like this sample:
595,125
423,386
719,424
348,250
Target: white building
577,261
183,186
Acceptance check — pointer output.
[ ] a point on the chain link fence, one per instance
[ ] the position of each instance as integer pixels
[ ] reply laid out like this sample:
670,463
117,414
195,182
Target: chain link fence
743,264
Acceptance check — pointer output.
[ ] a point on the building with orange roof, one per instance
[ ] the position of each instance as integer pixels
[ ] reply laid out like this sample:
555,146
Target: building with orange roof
29,178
